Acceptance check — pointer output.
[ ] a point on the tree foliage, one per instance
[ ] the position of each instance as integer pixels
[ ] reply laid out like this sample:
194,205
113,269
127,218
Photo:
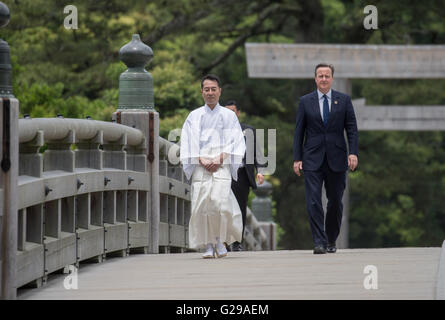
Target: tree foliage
397,190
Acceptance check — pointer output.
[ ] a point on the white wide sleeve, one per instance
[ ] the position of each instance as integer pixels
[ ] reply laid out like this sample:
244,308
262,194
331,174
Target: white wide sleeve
234,145
189,152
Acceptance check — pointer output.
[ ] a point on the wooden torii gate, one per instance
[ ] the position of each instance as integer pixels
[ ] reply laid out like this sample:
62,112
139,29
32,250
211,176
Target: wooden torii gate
297,61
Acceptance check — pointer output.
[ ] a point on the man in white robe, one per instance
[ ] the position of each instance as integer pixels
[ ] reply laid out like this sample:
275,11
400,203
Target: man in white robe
212,148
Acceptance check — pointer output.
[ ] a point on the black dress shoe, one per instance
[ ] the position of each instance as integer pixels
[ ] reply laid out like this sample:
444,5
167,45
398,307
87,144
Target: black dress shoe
319,250
236,246
331,248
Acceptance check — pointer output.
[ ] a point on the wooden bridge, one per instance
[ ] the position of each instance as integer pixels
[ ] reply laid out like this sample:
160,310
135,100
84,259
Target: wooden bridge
76,190
118,193
400,273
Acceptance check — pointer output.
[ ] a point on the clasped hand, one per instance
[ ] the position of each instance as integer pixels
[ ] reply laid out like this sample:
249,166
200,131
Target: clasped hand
211,164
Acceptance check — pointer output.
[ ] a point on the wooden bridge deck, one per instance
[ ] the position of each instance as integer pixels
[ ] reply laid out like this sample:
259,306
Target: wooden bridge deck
402,273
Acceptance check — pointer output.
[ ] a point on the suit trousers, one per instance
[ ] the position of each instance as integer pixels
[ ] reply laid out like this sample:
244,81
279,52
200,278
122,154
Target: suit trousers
241,189
324,229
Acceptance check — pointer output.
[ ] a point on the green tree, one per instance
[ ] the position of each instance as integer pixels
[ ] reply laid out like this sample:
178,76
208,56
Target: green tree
396,192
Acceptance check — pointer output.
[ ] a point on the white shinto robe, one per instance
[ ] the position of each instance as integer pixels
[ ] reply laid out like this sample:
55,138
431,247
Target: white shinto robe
215,211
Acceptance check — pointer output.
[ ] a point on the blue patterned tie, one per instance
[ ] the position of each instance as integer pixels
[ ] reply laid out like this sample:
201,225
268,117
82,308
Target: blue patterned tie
325,110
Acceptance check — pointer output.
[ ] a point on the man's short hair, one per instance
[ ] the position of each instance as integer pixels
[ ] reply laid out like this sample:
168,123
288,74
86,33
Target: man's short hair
210,77
324,65
232,103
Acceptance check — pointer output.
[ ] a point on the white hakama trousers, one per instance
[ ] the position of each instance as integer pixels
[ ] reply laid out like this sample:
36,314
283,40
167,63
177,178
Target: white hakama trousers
215,210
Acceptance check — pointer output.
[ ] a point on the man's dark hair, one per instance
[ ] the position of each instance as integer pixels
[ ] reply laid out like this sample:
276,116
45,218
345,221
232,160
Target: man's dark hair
210,77
324,65
232,103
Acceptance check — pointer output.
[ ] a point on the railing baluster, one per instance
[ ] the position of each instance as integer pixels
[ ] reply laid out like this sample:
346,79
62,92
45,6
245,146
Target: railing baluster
96,208
21,236
143,206
109,207
88,154
136,157
68,214
53,219
132,205
114,156
121,206
34,224
30,159
59,155
83,211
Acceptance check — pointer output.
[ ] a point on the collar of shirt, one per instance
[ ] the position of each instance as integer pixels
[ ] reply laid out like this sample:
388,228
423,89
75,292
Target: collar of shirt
320,95
207,108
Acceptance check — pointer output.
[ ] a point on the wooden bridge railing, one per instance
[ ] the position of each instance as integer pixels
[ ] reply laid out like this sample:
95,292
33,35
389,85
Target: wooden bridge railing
73,190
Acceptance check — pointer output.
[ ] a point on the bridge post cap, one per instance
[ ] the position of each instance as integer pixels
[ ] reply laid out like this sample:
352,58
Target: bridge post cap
5,65
136,53
263,190
4,14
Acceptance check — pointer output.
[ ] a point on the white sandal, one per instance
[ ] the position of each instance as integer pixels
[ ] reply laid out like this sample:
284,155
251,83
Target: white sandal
221,250
210,252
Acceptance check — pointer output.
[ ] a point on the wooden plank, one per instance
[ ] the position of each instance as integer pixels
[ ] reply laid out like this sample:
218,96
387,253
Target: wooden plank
402,273
297,61
403,118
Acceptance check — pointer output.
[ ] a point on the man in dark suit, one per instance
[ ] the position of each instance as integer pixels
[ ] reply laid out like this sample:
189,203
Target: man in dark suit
322,117
246,173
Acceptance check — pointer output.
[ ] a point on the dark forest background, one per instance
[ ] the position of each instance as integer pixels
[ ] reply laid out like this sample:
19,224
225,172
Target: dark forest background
397,193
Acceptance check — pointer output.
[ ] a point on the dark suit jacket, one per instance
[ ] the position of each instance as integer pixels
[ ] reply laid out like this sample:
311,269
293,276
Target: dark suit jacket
324,140
251,167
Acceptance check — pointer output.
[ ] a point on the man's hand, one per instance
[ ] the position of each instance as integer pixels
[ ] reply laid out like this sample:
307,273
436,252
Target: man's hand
352,161
260,178
206,163
210,165
298,165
